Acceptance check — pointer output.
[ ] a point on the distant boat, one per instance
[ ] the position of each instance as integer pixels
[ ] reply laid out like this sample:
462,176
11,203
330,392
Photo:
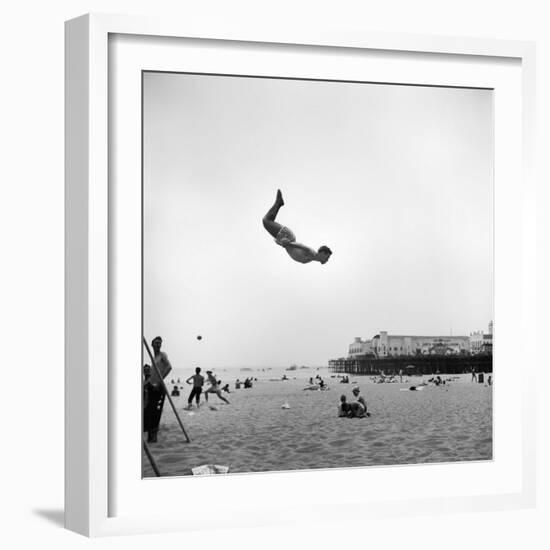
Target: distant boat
245,368
292,367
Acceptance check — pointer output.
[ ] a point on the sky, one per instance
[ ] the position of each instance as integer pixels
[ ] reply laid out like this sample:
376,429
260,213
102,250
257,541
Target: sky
396,180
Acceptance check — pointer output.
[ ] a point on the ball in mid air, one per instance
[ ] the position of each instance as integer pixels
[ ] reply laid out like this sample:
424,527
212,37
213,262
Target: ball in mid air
199,337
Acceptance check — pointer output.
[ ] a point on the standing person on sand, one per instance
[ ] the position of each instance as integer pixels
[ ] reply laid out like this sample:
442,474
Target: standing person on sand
214,387
154,389
285,237
198,382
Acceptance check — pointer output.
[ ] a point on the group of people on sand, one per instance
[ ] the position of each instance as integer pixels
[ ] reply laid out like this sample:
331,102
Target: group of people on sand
318,381
247,383
355,409
197,380
154,389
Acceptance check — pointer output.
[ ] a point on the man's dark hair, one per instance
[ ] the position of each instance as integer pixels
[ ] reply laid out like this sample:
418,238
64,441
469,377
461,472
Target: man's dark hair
197,370
325,249
156,338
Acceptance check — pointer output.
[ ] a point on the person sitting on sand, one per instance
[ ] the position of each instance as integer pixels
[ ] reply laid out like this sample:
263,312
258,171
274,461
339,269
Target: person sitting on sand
359,407
344,407
225,388
214,387
285,237
198,382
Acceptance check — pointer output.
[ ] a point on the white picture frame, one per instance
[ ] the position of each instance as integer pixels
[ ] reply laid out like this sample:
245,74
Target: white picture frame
93,307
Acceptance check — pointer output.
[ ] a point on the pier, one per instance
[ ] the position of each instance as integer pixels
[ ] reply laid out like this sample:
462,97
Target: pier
416,364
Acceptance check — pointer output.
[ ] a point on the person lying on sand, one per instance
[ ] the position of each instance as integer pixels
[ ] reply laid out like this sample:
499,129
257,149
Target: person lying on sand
214,387
285,237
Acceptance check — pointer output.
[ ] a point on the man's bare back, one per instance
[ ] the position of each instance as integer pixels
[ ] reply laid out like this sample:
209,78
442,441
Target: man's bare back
285,237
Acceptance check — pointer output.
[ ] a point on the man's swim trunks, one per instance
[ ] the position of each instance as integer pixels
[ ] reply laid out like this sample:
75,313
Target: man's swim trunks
285,233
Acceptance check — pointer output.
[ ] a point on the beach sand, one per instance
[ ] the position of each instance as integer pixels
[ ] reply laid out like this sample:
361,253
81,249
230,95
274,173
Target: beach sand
253,433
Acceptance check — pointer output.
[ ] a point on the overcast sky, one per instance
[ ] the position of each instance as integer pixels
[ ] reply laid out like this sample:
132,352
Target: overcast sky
396,180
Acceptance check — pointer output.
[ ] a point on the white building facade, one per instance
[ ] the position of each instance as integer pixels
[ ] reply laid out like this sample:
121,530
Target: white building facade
388,345
481,342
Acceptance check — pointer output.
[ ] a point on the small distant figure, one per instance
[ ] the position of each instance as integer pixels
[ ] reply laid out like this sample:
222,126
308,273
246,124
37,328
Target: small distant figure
248,383
311,380
474,377
198,382
237,384
175,392
285,237
226,388
401,376
490,380
285,377
214,387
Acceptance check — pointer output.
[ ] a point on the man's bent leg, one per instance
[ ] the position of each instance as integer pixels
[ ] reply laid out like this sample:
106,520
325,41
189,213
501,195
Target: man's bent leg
271,226
219,394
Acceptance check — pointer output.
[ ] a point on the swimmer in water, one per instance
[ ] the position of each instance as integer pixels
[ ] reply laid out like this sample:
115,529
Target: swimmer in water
285,237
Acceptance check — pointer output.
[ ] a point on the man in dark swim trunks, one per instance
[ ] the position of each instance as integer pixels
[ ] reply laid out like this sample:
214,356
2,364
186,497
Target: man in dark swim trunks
198,382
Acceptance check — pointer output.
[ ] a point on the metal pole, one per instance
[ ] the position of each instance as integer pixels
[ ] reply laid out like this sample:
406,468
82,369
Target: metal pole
151,459
154,365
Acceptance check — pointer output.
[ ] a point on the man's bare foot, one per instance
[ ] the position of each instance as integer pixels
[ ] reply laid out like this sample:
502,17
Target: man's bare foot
279,200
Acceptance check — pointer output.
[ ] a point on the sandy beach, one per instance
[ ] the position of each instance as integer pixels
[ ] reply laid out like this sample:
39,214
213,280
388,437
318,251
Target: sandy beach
254,433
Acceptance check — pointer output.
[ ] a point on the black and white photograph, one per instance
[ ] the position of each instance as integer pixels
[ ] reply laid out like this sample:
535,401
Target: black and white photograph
275,274
317,274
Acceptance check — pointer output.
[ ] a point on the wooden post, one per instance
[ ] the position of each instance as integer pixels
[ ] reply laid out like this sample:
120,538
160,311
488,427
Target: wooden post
154,365
151,459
